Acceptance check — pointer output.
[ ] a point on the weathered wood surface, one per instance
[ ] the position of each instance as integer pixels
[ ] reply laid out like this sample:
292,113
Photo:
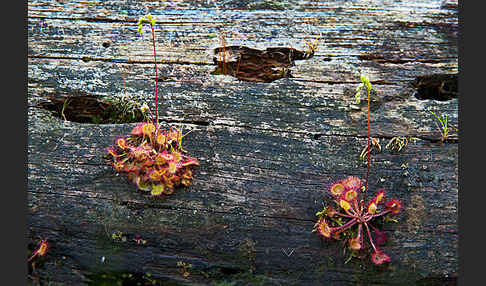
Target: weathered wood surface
268,151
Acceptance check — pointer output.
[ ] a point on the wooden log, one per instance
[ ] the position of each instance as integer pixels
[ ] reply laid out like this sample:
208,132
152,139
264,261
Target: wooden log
268,151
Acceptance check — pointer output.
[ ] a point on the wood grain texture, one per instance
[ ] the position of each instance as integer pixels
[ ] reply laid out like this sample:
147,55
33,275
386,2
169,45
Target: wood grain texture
268,151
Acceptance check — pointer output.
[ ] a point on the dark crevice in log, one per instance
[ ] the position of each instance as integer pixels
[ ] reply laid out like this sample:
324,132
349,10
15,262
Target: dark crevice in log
441,87
92,109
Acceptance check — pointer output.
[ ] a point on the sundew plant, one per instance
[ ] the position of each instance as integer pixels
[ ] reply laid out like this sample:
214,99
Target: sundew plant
353,217
152,156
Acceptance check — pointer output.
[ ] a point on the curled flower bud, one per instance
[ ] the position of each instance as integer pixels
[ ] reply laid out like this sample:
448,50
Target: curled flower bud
186,182
187,174
122,143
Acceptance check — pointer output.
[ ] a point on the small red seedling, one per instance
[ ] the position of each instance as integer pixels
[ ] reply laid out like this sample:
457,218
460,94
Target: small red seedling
41,250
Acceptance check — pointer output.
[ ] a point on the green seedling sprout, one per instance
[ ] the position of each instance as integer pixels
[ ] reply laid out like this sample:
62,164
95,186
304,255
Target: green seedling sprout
64,107
444,129
313,45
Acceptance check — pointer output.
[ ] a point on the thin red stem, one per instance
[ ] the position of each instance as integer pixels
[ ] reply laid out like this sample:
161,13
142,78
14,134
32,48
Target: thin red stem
156,121
345,215
370,217
344,226
369,149
369,236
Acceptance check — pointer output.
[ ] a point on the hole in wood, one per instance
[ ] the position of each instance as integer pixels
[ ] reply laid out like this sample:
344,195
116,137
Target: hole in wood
440,87
93,109
256,65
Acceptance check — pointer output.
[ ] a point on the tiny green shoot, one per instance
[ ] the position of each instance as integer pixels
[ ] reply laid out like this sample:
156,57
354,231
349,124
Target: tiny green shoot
64,107
444,128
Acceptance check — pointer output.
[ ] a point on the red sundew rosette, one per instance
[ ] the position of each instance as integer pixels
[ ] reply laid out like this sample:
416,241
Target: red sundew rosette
149,164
